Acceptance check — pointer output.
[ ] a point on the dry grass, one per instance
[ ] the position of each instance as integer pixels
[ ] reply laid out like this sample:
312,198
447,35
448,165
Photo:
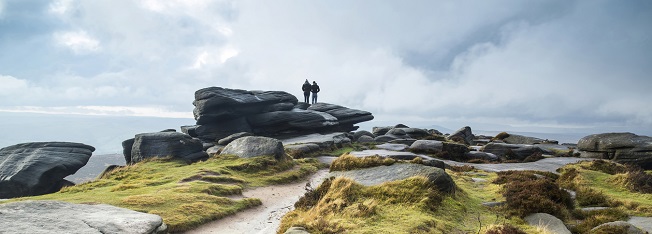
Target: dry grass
348,162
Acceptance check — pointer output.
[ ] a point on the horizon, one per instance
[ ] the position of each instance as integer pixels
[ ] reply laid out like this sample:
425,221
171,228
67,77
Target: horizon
538,66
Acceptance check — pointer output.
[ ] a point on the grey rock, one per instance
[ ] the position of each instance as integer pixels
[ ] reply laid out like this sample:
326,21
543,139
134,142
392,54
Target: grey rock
190,130
399,171
520,139
232,137
207,145
631,229
215,103
519,151
401,126
296,230
549,222
393,147
625,148
384,138
415,132
481,155
397,132
126,149
456,151
323,140
214,150
272,122
379,131
360,133
301,150
493,204
169,130
427,146
167,144
478,180
644,223
465,133
408,141
365,139
344,115
40,217
36,168
253,146
589,209
302,105
434,163
216,131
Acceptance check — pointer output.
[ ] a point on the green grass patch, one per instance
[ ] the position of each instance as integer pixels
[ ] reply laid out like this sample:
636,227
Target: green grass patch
185,195
340,205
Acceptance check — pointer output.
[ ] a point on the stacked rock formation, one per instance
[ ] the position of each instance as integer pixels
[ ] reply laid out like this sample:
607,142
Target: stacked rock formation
221,112
37,168
626,148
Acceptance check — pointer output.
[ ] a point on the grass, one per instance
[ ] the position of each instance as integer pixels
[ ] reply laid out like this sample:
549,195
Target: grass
185,195
341,205
348,162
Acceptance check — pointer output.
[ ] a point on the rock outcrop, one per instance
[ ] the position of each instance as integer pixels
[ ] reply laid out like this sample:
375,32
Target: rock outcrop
252,146
464,134
38,168
511,151
63,217
625,148
163,144
221,112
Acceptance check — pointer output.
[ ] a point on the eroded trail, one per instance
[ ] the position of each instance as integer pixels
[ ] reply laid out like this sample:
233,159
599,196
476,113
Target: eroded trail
277,201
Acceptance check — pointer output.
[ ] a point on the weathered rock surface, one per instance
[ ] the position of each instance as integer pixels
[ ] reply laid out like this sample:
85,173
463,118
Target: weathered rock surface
221,112
164,144
37,168
379,131
619,147
384,138
253,146
397,133
323,140
427,146
296,230
525,140
365,139
361,133
631,229
232,137
301,150
644,223
547,221
464,133
481,155
518,152
416,132
399,171
393,147
62,217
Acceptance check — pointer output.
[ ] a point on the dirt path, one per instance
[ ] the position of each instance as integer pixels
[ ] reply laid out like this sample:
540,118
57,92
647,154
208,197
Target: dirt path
265,219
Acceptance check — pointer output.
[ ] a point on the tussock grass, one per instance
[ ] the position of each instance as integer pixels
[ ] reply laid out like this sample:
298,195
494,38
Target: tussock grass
591,219
504,229
528,192
185,195
349,162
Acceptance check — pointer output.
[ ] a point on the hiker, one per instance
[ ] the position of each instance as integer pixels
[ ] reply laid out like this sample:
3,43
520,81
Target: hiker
306,90
314,89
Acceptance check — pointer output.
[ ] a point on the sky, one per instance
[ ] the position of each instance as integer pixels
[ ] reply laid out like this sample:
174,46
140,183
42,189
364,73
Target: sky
553,65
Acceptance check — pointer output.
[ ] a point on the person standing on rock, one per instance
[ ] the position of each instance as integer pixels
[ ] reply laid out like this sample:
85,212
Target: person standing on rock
314,89
306,91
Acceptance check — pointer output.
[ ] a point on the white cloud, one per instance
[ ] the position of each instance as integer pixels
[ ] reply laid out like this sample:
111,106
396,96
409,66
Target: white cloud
11,85
143,111
77,41
60,7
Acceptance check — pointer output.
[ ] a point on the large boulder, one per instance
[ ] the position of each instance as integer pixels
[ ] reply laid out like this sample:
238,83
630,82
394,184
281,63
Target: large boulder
232,137
379,131
397,133
298,120
526,140
415,132
63,217
427,146
345,116
38,168
628,228
361,133
253,146
399,171
548,222
465,134
215,103
620,147
511,151
213,132
166,144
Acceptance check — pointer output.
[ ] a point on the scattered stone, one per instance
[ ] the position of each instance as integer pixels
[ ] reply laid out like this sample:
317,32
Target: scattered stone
519,152
166,144
361,133
365,139
215,149
481,155
631,229
63,217
465,134
301,150
493,204
626,148
232,137
37,168
379,131
415,132
587,209
427,146
384,138
548,222
434,163
393,147
523,140
399,171
253,146
397,133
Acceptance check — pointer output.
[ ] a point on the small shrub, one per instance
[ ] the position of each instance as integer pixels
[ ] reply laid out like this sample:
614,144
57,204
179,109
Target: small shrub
638,181
504,229
591,219
463,168
514,176
312,196
349,162
591,197
526,194
605,166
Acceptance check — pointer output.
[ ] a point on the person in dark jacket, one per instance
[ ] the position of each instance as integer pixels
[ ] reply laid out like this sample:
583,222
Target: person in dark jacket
306,90
314,89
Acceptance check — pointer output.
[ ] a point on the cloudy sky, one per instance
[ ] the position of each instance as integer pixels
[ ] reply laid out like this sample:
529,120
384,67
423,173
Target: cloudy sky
495,65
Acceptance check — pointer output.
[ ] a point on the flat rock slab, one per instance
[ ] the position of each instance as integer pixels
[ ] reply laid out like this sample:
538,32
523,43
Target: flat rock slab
392,147
383,153
62,217
312,138
644,223
549,222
